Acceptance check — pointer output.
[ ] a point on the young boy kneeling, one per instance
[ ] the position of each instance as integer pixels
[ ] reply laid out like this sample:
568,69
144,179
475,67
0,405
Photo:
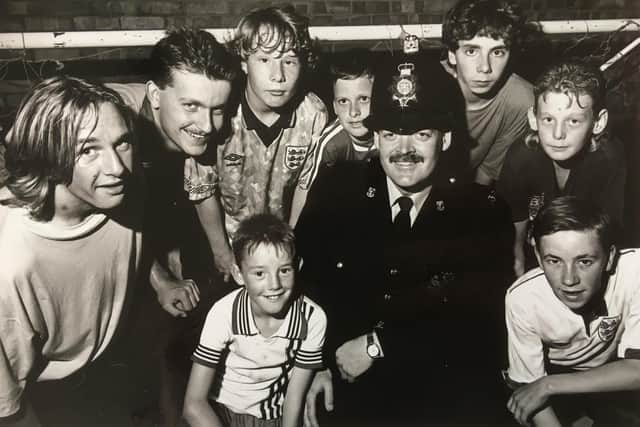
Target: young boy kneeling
261,343
574,326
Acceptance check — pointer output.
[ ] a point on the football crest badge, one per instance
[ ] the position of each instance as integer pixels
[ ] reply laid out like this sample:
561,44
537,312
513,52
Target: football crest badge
294,156
608,327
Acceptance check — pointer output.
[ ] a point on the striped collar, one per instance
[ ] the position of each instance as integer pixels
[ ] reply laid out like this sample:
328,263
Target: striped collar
294,325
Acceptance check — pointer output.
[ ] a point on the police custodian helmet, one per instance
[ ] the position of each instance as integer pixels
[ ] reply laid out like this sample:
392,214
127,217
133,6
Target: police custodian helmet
411,93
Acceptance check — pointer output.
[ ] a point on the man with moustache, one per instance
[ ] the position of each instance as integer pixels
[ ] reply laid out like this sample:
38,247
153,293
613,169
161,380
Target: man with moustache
181,116
410,265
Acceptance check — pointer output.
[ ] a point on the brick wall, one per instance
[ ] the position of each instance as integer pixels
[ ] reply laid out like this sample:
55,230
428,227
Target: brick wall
61,15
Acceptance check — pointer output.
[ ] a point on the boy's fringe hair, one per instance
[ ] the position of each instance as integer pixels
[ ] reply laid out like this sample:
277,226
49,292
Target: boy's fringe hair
491,18
569,213
41,146
352,64
275,28
262,229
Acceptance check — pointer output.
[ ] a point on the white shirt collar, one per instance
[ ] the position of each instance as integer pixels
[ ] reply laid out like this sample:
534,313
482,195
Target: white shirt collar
418,200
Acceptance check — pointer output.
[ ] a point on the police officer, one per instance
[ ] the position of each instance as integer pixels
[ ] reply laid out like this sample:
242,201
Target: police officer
410,264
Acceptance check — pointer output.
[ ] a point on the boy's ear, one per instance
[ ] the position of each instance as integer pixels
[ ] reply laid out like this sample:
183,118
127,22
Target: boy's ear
600,124
446,140
613,252
531,116
376,140
153,94
452,57
535,251
237,275
243,65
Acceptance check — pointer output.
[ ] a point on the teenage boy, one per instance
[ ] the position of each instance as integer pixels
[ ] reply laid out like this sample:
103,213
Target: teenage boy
574,324
260,344
481,37
70,237
266,165
567,152
405,259
347,138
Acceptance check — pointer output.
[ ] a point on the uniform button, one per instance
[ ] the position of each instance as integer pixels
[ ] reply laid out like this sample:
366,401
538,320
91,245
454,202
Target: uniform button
339,264
387,297
393,272
444,300
446,364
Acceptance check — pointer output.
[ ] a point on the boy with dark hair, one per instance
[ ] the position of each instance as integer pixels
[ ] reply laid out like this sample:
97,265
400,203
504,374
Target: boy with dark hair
260,344
481,37
347,138
182,114
574,324
567,152
266,164
70,236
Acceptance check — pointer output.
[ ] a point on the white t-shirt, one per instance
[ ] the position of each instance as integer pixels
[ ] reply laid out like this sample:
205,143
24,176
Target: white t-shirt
255,369
538,323
62,291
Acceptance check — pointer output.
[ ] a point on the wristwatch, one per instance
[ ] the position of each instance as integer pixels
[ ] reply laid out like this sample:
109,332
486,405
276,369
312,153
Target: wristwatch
373,350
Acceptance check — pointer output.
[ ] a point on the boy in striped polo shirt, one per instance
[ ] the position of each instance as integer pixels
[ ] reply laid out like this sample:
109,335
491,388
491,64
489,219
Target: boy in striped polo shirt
574,325
261,343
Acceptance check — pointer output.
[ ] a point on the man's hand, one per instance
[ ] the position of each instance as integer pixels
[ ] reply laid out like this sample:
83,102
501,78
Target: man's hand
322,383
224,260
352,358
528,399
178,297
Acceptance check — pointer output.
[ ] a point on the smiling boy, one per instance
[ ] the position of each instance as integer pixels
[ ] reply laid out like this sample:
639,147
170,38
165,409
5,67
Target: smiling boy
574,324
566,153
70,237
260,344
481,37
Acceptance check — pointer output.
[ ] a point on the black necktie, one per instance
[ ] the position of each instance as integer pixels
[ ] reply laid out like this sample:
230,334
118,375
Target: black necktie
402,221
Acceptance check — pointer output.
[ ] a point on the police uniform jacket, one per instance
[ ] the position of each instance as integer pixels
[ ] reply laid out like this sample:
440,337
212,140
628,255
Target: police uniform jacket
434,296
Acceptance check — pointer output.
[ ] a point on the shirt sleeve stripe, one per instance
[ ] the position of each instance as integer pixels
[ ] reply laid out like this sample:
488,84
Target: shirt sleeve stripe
207,354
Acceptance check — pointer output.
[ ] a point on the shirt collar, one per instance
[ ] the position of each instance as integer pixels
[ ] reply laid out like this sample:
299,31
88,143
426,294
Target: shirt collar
294,325
418,198
286,119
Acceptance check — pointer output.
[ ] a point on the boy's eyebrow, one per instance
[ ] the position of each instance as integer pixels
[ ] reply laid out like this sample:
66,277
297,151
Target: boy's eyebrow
469,44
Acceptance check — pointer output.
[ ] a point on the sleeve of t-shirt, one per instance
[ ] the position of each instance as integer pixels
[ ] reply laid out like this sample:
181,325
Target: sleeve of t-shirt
629,347
512,182
310,354
526,358
200,180
318,123
216,334
17,352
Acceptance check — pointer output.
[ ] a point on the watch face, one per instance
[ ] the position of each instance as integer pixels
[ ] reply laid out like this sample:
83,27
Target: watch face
373,350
